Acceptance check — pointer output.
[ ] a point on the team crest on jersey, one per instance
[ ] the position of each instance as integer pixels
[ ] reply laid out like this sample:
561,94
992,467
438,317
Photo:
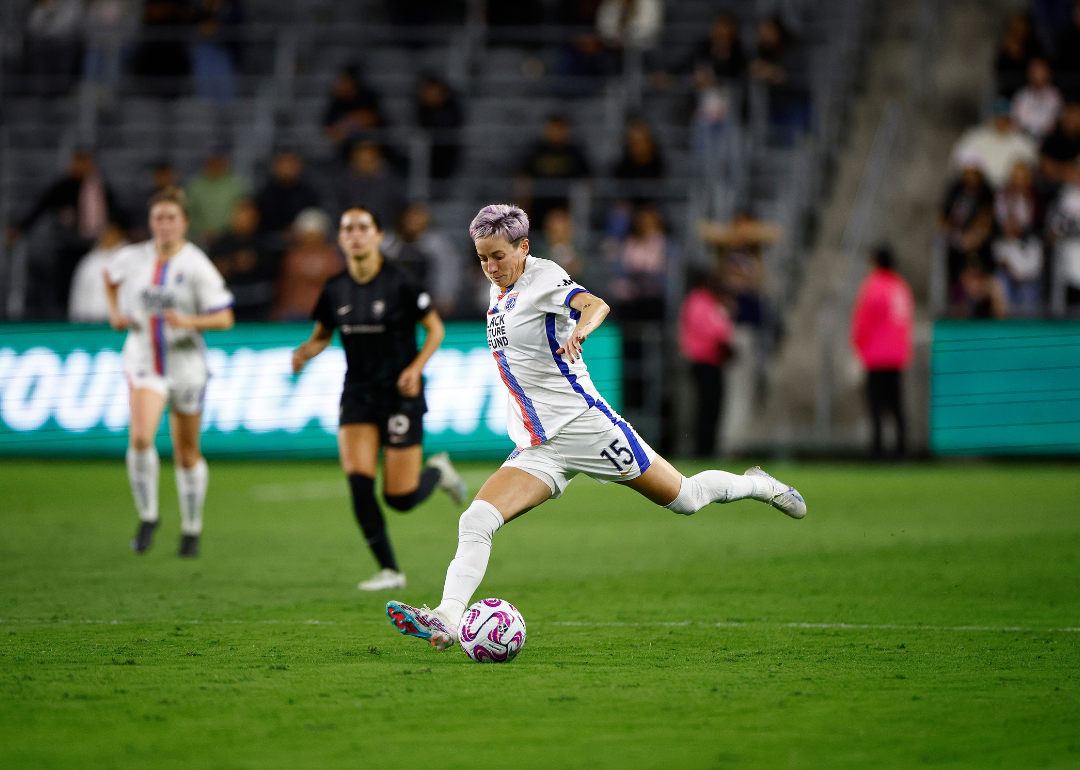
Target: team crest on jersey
511,300
378,307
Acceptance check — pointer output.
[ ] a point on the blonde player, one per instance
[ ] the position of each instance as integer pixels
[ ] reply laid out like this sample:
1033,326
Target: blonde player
537,320
166,293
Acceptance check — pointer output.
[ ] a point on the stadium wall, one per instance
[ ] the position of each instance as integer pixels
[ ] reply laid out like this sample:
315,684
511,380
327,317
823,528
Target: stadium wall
1006,388
63,392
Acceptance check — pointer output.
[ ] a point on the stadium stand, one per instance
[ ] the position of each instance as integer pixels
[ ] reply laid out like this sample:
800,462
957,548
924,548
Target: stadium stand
753,143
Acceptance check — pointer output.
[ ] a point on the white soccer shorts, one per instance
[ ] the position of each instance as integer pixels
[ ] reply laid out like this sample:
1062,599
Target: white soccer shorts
598,443
183,386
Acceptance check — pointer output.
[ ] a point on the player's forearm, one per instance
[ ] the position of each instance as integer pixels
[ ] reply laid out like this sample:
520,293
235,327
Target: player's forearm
593,312
436,332
218,321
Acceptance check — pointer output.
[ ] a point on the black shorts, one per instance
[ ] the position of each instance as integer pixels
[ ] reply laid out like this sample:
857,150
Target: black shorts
400,420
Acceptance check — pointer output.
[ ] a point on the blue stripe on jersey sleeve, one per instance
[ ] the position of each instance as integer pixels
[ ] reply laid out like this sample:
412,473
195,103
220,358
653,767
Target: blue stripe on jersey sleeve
574,314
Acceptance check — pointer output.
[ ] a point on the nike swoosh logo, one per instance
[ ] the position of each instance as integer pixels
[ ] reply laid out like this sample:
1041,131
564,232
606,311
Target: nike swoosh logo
344,310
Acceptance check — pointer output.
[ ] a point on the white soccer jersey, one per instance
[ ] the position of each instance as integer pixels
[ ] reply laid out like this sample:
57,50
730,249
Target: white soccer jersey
526,324
188,283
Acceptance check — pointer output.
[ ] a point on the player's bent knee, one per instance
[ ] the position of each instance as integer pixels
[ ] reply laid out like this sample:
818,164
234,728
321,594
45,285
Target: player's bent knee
401,502
479,523
141,443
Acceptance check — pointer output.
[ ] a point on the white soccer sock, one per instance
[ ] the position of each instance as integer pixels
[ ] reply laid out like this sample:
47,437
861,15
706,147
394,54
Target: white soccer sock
143,467
475,529
718,487
191,489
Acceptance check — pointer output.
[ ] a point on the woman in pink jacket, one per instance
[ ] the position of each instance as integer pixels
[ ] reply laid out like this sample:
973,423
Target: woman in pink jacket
881,328
705,330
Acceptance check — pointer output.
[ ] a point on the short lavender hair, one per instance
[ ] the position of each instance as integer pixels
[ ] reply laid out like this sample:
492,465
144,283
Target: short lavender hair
500,220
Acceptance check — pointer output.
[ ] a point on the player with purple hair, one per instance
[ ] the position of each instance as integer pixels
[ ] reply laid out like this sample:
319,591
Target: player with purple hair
538,318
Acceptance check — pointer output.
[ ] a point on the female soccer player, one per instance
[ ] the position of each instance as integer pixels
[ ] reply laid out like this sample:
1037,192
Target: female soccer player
376,308
166,292
559,421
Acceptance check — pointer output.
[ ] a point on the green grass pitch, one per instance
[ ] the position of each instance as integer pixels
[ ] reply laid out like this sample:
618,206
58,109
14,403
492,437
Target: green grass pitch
920,615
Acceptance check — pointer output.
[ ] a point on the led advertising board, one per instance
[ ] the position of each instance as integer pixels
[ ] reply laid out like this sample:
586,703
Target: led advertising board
63,392
1005,388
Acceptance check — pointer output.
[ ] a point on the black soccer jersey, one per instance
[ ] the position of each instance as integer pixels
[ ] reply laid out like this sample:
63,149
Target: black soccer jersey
377,321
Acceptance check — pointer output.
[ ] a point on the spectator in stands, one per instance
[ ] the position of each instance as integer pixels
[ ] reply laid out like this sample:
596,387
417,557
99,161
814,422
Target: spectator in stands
1060,152
630,23
1067,62
215,56
80,204
721,54
428,255
1064,230
739,261
557,243
285,193
585,56
577,13
110,27
168,58
641,267
1019,46
705,336
979,294
1018,254
370,182
882,323
997,145
641,158
967,216
53,44
242,256
307,266
781,66
88,302
438,110
554,158
1037,106
353,109
1020,201
212,195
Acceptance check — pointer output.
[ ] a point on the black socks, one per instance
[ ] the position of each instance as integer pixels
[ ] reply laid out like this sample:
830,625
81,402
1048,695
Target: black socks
429,477
370,518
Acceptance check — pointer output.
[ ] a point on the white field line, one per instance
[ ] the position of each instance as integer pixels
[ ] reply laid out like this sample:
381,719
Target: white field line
732,624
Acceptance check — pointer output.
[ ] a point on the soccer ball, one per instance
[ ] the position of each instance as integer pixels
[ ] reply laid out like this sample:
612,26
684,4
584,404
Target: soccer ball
492,631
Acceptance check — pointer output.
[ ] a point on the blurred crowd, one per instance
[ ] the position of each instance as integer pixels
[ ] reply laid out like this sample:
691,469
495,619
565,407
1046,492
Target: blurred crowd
273,237
1010,219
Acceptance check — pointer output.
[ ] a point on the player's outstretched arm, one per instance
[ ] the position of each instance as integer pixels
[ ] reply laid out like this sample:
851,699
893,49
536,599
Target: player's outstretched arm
409,381
593,312
315,344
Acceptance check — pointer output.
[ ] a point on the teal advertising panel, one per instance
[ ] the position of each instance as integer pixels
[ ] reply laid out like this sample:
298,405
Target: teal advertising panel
1005,388
63,392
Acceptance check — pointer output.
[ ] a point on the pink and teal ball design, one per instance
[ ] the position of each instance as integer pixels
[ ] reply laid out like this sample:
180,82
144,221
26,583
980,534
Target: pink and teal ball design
492,631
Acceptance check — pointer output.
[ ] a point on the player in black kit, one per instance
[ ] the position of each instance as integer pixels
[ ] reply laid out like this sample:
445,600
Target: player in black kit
377,307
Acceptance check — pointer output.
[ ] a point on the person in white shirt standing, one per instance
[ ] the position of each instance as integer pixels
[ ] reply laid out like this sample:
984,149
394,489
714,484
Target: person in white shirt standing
88,303
166,292
537,320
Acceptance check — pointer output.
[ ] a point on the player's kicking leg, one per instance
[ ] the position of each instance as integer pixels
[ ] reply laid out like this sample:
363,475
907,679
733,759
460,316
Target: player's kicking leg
665,486
508,493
